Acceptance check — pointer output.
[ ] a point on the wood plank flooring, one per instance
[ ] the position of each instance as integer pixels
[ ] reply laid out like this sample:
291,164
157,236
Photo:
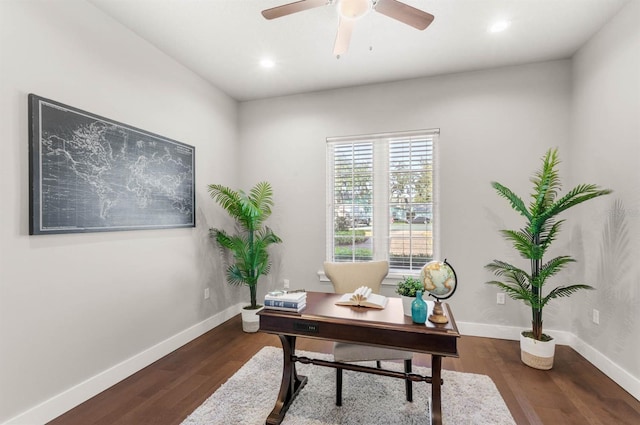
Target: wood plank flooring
573,392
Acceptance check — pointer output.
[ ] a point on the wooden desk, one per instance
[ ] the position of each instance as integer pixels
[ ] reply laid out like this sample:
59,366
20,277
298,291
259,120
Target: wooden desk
322,319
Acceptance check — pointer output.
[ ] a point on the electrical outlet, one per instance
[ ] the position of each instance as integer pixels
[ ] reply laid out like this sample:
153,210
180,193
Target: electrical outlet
596,317
285,283
206,293
500,298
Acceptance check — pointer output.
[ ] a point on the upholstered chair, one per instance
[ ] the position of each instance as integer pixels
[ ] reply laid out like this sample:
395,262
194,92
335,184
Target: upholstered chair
346,278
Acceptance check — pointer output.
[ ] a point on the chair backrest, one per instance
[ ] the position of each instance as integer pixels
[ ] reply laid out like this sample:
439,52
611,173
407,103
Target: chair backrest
347,277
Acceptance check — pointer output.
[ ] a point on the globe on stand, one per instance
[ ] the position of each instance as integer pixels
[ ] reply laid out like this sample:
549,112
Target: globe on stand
440,281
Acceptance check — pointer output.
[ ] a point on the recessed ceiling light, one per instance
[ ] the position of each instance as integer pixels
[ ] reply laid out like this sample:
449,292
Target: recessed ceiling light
267,63
499,26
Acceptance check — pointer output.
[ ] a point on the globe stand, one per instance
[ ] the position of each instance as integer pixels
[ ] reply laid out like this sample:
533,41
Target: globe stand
438,314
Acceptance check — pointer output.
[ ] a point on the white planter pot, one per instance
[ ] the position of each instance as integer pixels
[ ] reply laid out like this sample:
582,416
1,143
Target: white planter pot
251,320
537,354
406,304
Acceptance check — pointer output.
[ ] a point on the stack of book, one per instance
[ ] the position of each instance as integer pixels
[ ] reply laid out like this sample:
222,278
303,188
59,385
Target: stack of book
285,301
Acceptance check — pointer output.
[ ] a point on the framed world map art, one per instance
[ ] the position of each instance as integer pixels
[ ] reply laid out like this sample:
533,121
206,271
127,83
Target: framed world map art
92,174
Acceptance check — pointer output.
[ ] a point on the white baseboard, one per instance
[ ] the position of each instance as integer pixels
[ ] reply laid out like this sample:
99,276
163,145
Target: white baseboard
630,383
510,332
67,400
620,376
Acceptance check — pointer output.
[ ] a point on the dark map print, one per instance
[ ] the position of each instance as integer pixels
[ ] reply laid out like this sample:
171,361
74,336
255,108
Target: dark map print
96,175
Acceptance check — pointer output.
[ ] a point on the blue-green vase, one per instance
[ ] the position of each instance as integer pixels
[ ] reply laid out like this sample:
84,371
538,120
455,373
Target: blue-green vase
419,309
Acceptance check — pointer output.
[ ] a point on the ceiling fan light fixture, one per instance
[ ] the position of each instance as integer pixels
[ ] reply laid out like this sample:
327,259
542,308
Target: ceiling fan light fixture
353,9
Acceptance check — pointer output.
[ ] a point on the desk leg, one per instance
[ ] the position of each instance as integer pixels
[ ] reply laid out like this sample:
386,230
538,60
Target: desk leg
291,383
436,383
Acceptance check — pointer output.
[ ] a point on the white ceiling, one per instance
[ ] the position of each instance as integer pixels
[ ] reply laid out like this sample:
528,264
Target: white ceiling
224,40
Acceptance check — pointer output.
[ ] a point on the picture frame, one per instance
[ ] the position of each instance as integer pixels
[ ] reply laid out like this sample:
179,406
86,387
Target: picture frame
88,173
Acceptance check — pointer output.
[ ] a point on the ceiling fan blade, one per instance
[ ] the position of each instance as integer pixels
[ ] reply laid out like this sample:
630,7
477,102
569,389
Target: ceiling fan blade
288,9
345,28
404,13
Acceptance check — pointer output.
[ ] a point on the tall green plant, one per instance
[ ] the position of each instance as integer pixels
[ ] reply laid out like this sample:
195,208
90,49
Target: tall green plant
250,246
533,240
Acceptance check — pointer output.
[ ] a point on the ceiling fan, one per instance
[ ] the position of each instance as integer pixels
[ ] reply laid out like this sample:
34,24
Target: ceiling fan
351,10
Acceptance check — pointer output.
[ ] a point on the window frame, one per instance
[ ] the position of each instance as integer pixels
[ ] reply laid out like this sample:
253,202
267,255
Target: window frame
381,188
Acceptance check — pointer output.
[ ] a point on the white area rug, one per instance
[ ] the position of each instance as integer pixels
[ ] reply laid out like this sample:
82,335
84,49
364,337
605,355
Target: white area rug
248,397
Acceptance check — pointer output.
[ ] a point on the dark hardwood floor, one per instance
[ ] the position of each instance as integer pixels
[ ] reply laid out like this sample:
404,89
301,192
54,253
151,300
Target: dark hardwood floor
573,392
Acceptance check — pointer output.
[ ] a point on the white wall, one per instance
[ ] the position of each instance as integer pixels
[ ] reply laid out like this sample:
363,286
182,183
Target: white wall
495,125
72,306
606,150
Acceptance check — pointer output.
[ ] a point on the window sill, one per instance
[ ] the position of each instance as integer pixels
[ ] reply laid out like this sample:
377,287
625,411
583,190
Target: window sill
392,278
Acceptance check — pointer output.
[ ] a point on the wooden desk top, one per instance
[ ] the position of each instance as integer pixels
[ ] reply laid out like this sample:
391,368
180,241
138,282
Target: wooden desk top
386,327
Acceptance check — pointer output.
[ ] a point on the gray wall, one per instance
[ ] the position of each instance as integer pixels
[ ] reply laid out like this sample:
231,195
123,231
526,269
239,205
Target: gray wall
72,306
606,150
494,125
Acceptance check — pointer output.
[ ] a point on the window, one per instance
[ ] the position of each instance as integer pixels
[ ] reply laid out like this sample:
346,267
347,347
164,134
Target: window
380,198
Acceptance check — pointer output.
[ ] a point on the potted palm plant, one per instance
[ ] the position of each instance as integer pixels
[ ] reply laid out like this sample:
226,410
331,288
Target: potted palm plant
532,241
407,288
250,245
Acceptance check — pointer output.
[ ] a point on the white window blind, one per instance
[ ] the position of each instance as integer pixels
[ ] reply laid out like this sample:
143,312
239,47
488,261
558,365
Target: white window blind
380,198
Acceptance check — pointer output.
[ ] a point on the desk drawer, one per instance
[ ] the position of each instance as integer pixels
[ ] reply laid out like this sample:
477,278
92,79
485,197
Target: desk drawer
294,325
